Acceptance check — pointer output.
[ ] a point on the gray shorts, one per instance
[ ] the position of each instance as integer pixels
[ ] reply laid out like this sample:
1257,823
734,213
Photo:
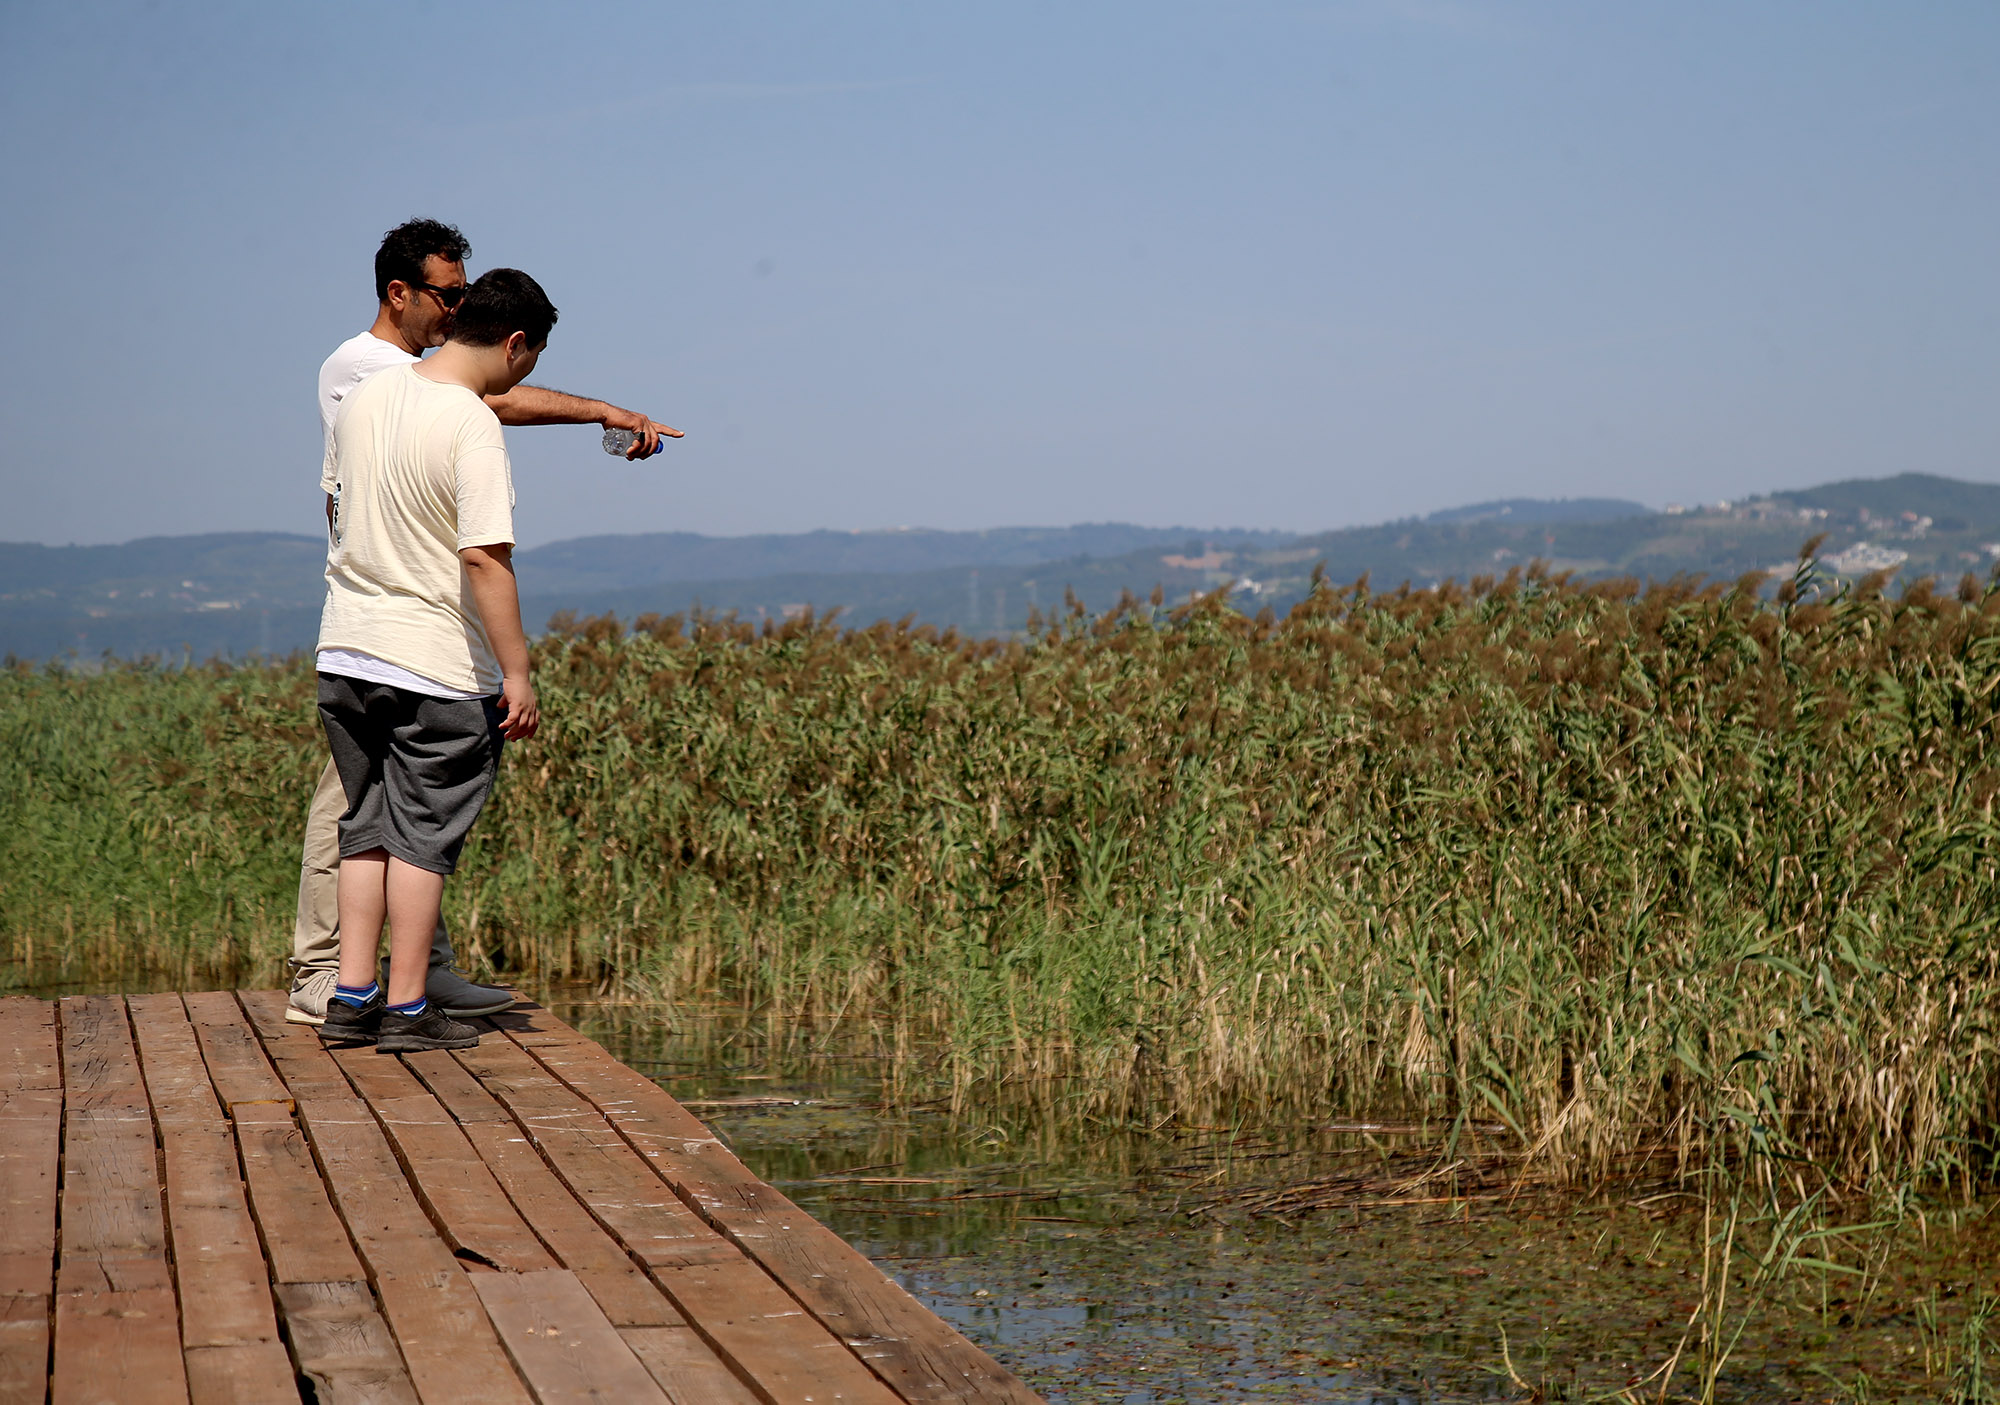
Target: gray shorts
416,769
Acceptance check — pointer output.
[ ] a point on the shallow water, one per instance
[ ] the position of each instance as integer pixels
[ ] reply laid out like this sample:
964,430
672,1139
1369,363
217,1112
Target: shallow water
1081,1260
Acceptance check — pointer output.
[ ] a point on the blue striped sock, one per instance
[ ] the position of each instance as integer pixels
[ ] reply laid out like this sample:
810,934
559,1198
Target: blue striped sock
357,995
412,1008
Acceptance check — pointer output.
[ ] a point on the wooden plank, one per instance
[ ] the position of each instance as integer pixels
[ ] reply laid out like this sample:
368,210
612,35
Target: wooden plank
445,1335
225,1288
117,1342
255,1374
738,1309
303,1064
911,1348
533,1027
458,1090
342,1346
28,1057
579,1242
110,1188
177,1083
304,1239
100,1070
684,1367
599,1169
30,1150
236,1062
561,1341
30,1161
376,1077
24,1345
460,1194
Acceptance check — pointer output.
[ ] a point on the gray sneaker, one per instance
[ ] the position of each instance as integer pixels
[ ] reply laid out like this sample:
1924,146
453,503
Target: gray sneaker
311,990
433,1029
458,996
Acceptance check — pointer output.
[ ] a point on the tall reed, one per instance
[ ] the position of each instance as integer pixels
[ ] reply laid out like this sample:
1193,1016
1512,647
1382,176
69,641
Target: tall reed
1550,854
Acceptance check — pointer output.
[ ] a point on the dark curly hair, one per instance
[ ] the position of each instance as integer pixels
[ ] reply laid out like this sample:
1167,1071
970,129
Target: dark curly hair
404,249
501,302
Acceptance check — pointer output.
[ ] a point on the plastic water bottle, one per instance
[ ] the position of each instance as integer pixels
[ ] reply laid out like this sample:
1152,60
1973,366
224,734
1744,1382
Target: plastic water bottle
617,441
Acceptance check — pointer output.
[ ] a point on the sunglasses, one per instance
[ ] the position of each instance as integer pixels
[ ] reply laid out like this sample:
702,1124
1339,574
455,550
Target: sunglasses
448,298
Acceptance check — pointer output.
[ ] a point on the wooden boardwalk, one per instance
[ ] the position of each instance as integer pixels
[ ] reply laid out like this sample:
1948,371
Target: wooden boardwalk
199,1202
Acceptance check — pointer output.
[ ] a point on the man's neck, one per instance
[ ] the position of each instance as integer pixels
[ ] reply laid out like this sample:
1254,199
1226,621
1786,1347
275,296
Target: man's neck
385,328
455,363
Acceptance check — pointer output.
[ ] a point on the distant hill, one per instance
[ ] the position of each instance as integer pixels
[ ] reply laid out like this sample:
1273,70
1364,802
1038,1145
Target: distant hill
240,593
1542,511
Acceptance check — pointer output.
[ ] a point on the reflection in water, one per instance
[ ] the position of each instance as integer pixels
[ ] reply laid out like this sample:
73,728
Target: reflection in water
1072,1254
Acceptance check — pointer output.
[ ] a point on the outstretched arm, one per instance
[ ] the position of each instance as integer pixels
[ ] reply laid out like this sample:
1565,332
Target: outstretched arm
531,404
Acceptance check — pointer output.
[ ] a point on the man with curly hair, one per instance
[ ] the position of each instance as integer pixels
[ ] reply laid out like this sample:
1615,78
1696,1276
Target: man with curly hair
419,285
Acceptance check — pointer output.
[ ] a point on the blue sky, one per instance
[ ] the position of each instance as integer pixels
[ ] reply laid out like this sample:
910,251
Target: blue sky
1275,265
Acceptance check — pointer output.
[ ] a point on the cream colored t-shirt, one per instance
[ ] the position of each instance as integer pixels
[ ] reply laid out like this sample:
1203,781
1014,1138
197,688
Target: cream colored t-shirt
420,471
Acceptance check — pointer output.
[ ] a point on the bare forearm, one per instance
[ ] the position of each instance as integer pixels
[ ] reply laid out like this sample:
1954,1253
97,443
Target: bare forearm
531,404
498,597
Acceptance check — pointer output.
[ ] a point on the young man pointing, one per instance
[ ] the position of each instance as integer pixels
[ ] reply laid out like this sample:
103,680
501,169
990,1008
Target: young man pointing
419,284
423,664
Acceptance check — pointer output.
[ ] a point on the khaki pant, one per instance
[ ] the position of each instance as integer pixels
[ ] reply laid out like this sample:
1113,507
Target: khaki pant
316,936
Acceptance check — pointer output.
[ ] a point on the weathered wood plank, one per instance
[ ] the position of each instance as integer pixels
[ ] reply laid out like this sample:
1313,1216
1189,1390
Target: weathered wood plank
218,1263
117,1341
376,1077
24,1345
28,1058
561,1341
579,1242
911,1348
684,1367
304,1239
30,1159
30,1152
641,1212
738,1309
532,1027
258,1373
342,1346
110,1188
236,1062
100,1070
446,1338
463,1199
177,1083
303,1064
451,1085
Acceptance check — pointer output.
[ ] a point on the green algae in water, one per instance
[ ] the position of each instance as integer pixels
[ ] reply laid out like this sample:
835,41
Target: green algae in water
1070,1253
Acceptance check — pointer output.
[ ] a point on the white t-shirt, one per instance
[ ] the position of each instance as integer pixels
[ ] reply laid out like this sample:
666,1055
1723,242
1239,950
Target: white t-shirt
353,362
420,471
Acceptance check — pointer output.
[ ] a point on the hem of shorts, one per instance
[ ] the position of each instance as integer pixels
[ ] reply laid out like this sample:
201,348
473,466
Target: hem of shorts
428,865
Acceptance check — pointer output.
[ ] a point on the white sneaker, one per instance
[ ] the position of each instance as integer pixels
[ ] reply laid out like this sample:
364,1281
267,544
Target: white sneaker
310,991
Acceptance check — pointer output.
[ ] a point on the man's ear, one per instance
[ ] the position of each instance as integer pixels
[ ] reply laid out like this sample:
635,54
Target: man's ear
517,346
398,294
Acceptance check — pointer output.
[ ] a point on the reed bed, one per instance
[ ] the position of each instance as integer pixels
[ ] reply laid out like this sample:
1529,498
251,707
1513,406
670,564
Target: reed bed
1619,870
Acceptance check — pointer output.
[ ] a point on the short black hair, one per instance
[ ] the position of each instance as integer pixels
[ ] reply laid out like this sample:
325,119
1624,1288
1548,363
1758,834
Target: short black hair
404,249
501,302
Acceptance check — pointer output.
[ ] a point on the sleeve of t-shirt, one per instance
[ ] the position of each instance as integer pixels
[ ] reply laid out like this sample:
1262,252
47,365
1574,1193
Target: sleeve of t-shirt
482,482
351,364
